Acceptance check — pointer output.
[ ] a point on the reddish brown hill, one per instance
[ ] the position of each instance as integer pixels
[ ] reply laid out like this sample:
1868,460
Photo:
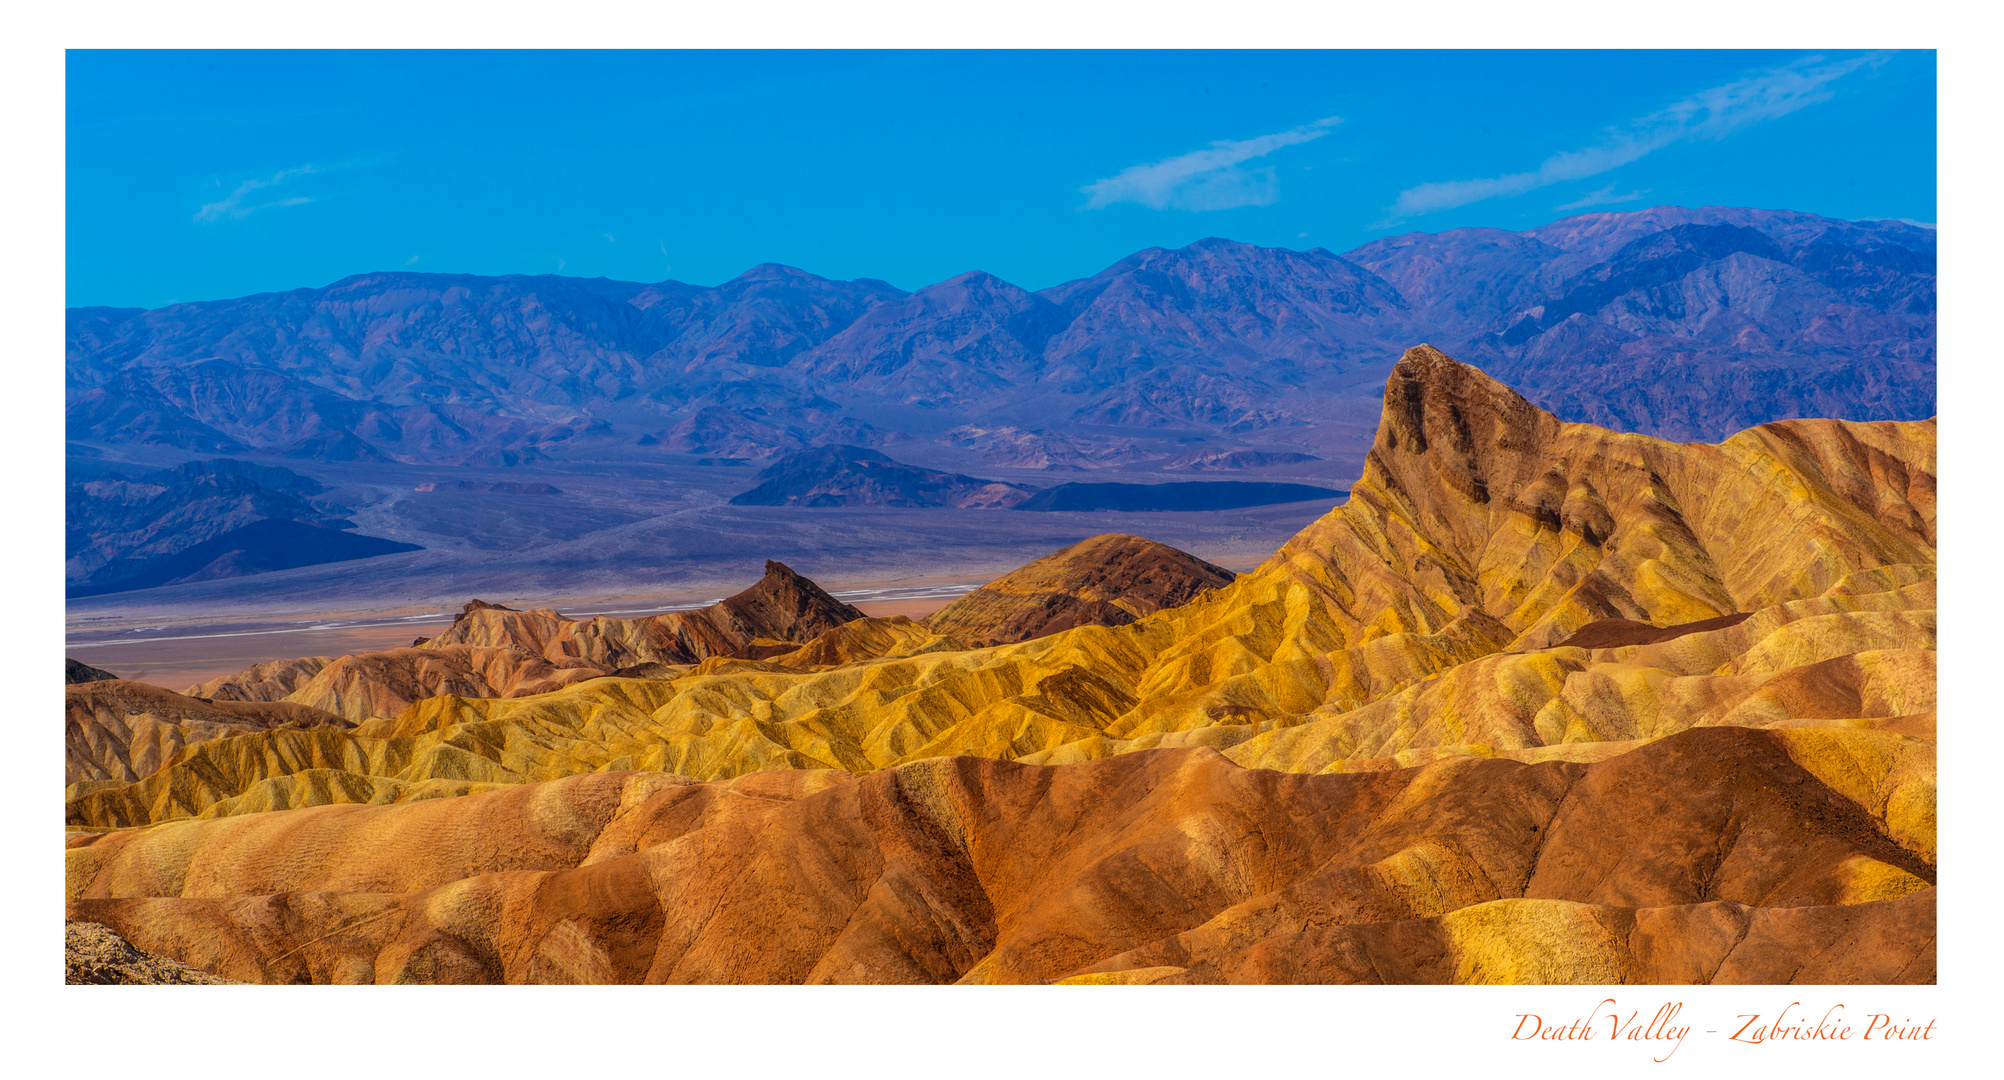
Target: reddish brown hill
1108,580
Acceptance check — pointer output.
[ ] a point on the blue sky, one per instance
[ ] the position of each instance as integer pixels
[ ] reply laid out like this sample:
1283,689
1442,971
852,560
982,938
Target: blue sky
203,175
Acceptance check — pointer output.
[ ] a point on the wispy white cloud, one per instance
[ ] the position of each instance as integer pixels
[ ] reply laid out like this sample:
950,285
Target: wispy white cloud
1708,115
412,261
1604,197
240,203
1212,179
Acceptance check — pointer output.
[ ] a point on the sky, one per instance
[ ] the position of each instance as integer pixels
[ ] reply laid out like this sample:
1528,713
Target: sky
206,175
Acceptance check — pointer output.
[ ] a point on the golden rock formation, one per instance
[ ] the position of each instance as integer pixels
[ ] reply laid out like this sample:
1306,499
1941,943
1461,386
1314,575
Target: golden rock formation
119,731
1709,855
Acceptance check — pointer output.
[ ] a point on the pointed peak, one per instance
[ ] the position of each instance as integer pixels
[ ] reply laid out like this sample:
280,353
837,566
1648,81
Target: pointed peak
971,277
781,580
974,282
1433,399
1425,364
786,605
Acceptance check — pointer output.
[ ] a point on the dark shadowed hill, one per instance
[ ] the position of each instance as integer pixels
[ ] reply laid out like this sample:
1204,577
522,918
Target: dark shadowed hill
201,521
76,671
854,476
261,546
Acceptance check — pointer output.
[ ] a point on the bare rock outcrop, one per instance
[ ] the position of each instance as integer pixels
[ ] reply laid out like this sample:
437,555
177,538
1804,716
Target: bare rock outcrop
96,955
75,671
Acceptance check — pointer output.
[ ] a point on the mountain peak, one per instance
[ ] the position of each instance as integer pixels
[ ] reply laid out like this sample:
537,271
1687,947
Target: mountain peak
772,271
974,281
1432,399
784,605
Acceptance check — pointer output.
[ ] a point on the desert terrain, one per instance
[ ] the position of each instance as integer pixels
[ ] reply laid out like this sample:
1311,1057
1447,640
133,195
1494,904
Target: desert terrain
1536,702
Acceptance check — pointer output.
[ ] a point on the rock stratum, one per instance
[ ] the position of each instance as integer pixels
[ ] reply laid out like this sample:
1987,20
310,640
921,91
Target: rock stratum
1541,702
1162,866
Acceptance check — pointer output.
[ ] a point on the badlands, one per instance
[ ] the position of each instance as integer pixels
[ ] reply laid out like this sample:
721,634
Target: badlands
1539,703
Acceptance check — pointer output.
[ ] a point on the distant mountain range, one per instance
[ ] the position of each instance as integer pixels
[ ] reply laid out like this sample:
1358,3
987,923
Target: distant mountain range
1680,323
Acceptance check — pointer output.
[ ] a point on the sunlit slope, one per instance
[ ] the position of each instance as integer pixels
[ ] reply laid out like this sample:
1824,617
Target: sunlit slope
117,731
1714,855
1417,620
